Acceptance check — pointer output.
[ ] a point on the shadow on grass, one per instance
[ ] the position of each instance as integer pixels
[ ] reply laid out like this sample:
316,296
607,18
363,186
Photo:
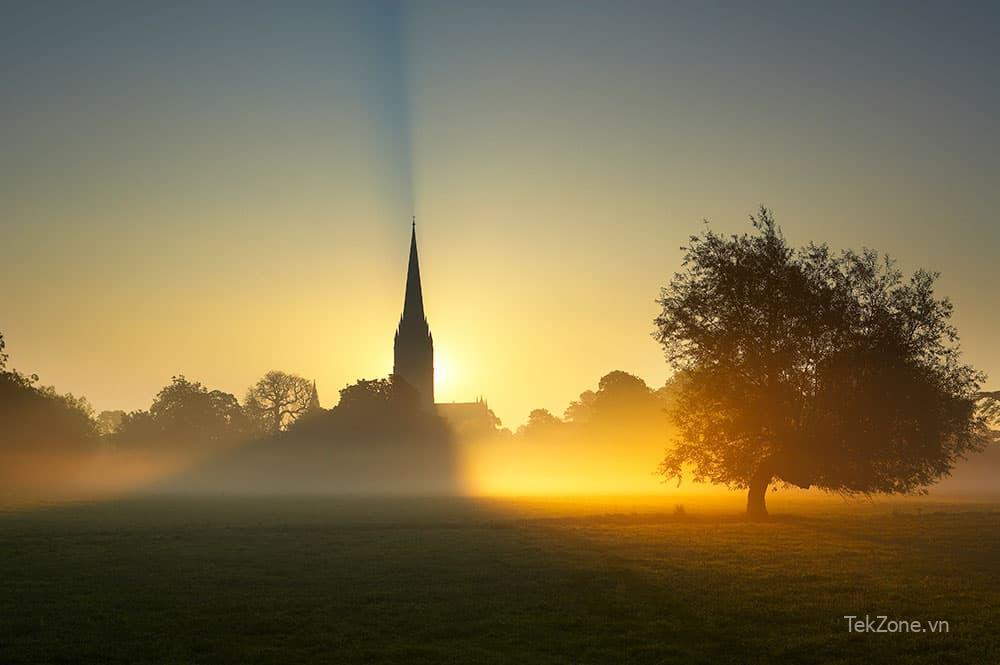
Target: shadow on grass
379,580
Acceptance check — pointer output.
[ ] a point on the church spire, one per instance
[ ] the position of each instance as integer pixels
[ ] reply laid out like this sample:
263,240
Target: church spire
413,351
413,304
314,406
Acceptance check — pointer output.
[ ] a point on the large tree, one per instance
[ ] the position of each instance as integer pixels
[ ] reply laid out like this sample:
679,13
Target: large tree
37,419
278,399
185,415
621,398
377,399
811,368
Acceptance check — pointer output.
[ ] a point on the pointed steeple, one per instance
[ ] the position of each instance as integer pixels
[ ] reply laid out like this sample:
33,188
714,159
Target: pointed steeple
413,349
413,304
314,405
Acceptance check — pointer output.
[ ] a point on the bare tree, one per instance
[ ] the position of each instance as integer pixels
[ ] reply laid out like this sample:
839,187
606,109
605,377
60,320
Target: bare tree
278,399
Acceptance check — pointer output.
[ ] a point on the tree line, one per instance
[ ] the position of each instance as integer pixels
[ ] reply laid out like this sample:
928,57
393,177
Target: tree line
622,408
799,367
185,415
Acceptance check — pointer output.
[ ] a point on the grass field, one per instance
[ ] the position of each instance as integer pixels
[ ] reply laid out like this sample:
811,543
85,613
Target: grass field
292,580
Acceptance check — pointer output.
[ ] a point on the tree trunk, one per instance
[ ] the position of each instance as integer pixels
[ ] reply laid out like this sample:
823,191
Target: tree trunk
276,418
756,506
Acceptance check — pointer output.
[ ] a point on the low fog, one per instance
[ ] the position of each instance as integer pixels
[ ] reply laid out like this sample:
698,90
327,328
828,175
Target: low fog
375,441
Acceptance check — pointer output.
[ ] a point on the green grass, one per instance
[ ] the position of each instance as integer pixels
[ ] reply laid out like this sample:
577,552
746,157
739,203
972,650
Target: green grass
292,580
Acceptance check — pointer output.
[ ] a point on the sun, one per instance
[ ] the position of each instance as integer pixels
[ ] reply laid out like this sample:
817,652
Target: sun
444,374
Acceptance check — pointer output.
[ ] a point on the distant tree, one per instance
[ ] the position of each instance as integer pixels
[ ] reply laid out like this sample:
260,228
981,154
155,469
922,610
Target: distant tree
373,411
13,376
492,422
109,421
368,397
812,369
277,400
378,438
38,419
81,403
139,429
366,394
621,400
989,409
185,414
540,423
581,410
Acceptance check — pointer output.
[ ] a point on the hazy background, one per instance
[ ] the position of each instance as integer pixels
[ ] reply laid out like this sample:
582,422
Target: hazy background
222,190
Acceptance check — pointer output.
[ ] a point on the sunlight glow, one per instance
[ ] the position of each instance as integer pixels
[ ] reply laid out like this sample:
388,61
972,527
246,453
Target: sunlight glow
444,375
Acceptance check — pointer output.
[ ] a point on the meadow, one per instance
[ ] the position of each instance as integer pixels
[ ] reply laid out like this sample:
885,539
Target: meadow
229,579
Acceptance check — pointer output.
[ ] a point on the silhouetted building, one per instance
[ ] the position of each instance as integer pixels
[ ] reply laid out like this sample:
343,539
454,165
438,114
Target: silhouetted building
469,420
413,359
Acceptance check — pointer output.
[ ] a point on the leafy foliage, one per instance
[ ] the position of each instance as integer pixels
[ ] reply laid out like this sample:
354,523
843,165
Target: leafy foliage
541,423
989,409
37,418
108,422
621,399
812,368
185,414
374,408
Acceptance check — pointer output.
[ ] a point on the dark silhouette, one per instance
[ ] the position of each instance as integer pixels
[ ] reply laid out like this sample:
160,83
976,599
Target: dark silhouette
44,436
541,423
603,444
413,347
186,416
989,408
278,399
108,422
378,407
370,396
470,421
622,399
378,439
813,369
413,360
794,366
37,419
623,407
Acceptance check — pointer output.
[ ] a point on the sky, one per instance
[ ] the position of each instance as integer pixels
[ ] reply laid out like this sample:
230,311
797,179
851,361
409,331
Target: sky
218,190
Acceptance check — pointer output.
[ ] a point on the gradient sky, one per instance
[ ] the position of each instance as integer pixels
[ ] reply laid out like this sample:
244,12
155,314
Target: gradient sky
222,190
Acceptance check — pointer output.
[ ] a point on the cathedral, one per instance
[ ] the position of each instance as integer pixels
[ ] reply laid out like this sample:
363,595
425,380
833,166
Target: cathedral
413,349
413,355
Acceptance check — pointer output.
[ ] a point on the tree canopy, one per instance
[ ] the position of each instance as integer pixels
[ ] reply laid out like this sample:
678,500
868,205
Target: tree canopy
621,400
375,406
36,418
541,423
812,368
277,400
989,408
186,415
